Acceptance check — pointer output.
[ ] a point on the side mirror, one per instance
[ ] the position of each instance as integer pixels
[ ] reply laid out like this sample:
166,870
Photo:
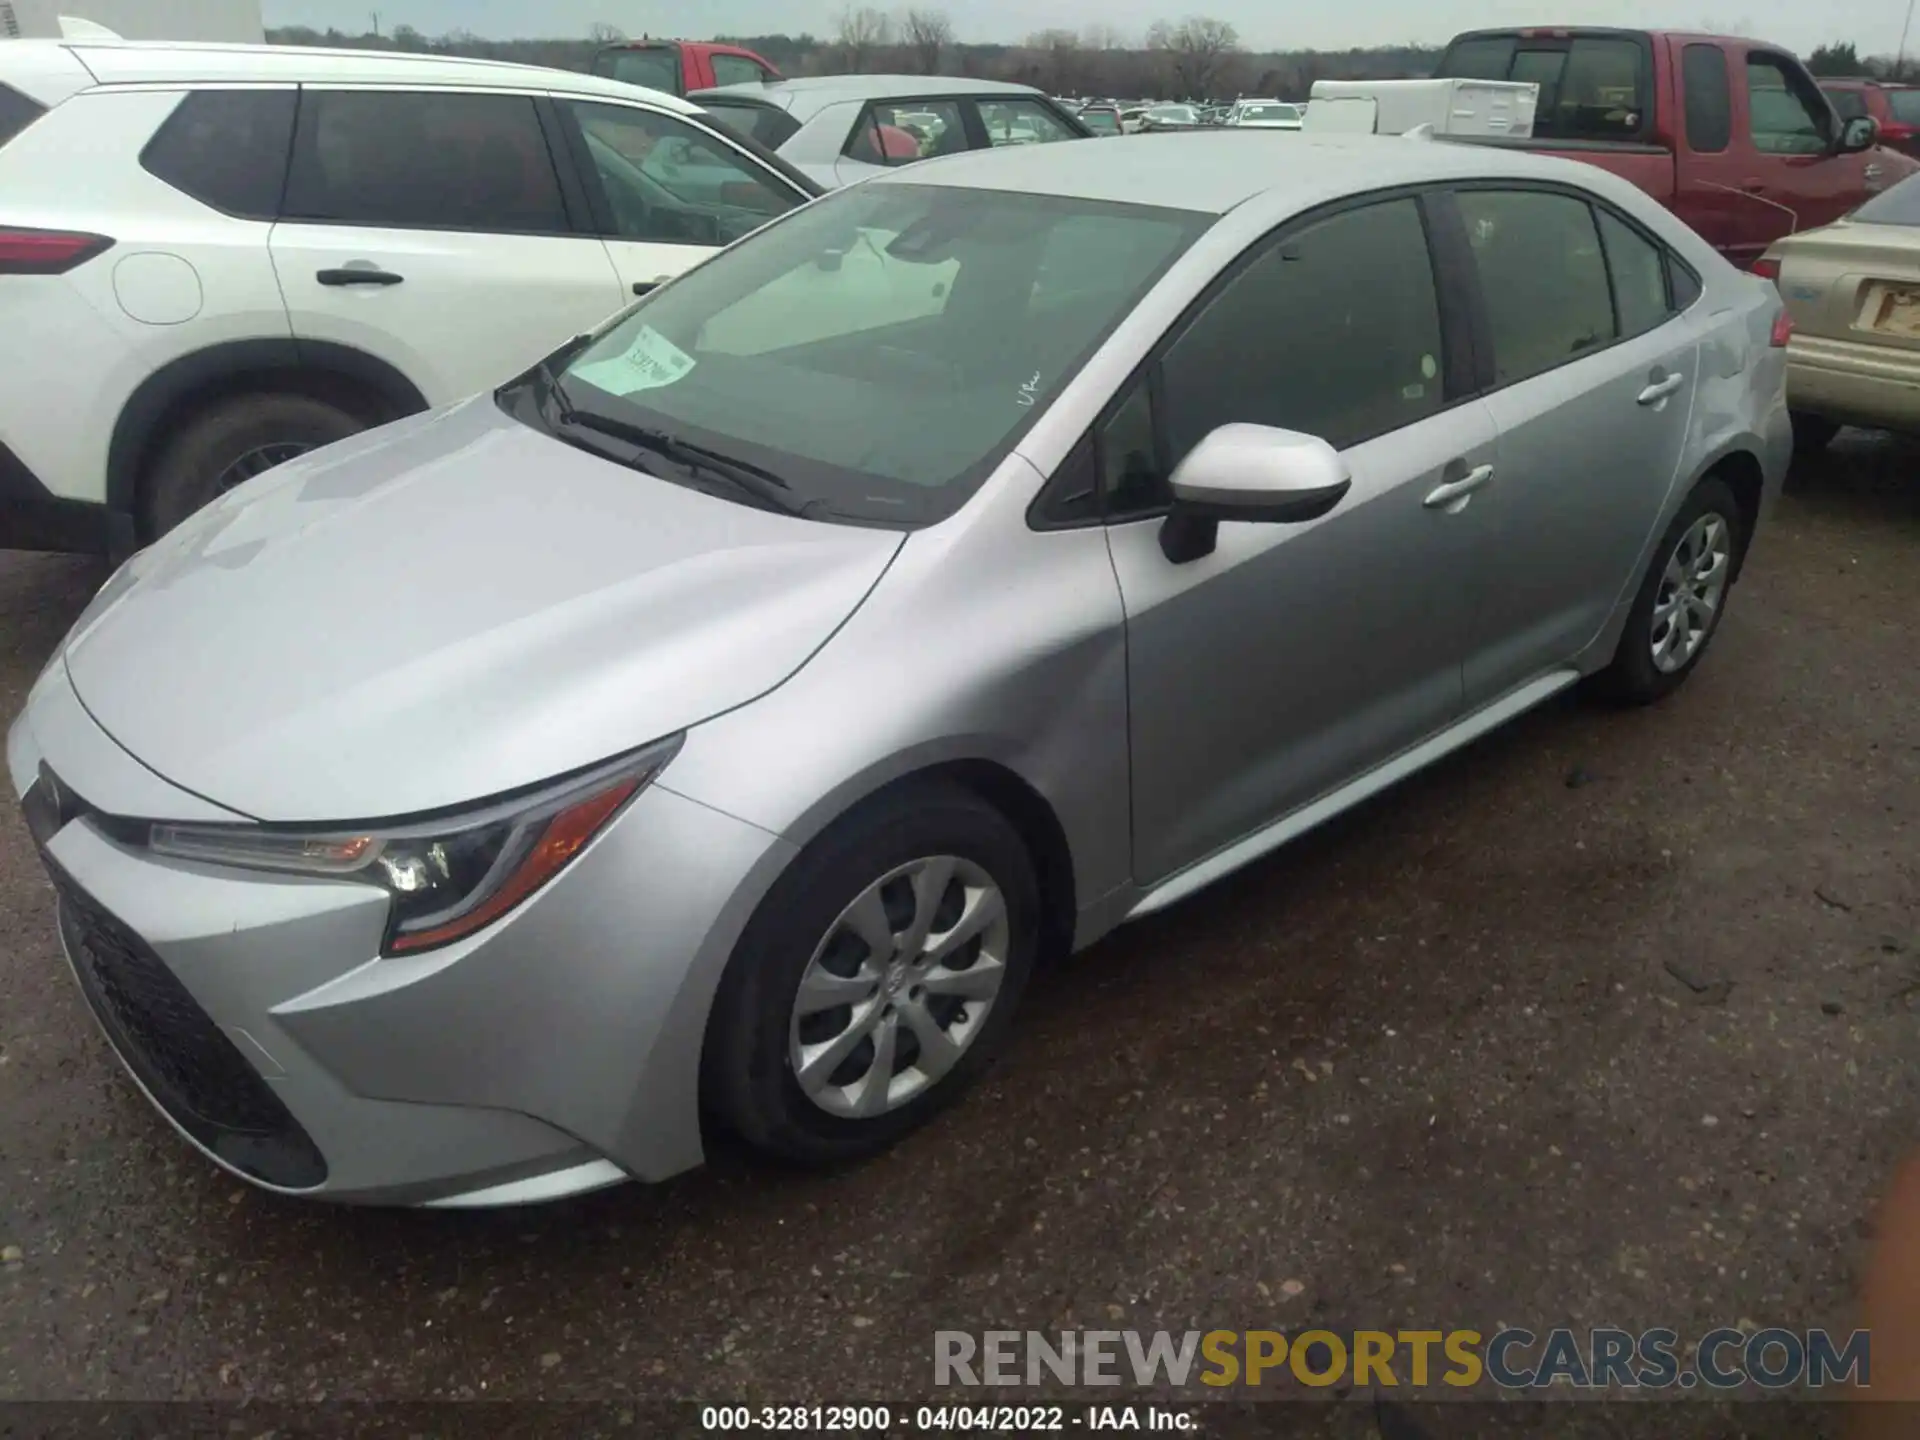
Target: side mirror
1249,473
1862,132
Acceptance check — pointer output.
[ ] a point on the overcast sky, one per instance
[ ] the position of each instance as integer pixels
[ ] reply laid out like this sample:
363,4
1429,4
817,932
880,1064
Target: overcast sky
1874,25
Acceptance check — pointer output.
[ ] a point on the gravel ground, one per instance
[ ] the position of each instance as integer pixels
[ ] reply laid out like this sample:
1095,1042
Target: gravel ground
1609,1020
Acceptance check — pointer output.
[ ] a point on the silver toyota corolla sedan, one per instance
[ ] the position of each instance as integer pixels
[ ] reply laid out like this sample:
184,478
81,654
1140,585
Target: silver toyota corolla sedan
719,722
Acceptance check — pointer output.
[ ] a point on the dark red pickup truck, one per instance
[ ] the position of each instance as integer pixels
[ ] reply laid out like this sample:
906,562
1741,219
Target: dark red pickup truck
678,66
1734,136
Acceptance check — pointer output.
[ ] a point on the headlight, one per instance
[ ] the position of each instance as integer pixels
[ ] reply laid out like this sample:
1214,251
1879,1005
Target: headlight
448,877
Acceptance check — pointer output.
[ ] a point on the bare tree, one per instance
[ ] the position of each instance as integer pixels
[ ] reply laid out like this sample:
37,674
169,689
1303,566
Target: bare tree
601,33
862,30
1102,36
1057,60
1197,50
927,33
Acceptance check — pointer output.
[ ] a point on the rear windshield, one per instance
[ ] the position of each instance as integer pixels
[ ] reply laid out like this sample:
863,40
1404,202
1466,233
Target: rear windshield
1101,122
768,124
1897,206
1905,105
16,113
655,69
1592,87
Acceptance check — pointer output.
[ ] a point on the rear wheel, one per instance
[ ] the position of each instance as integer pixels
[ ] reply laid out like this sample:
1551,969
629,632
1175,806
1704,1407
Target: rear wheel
877,978
232,441
1681,599
1812,433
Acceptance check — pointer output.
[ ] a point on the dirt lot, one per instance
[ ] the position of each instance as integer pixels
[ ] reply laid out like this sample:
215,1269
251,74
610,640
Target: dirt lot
1609,1020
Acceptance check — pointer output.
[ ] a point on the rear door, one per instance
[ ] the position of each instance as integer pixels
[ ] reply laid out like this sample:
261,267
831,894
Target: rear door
431,228
664,192
1592,379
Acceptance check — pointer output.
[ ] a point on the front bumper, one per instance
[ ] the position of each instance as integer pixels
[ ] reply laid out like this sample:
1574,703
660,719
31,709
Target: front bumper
1854,383
555,1052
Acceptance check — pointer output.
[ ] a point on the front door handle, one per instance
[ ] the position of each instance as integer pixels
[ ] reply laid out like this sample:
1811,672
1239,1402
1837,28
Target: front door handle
1452,495
1661,389
359,273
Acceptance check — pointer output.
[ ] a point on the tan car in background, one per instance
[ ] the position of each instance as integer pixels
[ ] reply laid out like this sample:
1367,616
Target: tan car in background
1853,291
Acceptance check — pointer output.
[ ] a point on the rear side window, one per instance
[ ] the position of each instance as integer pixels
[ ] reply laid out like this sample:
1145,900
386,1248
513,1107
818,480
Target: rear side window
1487,57
420,161
1544,277
1905,105
768,124
16,113
1848,104
1703,74
898,132
736,70
1639,271
228,149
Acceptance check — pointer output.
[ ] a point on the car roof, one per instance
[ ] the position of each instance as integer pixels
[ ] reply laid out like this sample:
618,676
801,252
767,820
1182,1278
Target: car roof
814,92
152,63
1212,171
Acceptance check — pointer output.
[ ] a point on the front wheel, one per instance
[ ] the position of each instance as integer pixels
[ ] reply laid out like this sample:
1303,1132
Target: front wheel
232,441
1681,599
876,979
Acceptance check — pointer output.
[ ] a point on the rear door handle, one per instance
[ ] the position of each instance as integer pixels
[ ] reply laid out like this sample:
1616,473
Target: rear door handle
1661,389
1452,495
359,274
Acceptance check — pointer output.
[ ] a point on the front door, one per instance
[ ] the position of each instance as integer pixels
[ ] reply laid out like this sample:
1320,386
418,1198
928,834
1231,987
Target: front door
1594,375
664,192
427,228
1293,658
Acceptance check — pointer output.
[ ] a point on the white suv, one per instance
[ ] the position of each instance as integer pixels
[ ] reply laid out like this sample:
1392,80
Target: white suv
213,258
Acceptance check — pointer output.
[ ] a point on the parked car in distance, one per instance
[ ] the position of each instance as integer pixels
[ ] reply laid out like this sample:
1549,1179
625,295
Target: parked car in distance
1131,119
214,258
1100,119
1196,587
1264,115
1170,117
1853,290
841,128
1735,136
1895,109
681,66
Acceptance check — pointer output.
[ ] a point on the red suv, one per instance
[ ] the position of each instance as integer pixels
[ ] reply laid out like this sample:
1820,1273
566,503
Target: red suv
1895,107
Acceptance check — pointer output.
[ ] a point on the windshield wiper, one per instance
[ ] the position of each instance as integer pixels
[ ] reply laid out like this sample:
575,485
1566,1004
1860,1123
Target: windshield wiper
761,484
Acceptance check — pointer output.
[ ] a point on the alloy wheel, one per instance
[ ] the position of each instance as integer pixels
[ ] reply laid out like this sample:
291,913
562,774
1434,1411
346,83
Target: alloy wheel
1692,586
900,987
258,461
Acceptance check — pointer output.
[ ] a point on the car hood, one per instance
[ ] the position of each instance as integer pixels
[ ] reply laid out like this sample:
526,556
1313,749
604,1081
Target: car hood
445,610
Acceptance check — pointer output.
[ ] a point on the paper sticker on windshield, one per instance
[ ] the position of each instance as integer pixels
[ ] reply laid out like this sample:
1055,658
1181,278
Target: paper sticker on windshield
650,362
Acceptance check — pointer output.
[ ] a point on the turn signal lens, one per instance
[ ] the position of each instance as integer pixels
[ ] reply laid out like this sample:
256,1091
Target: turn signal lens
1767,268
46,252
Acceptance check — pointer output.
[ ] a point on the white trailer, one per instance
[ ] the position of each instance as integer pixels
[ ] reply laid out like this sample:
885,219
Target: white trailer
1437,107
227,20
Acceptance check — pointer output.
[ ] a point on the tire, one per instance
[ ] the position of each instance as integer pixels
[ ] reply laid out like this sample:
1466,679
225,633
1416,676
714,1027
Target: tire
1636,677
1812,433
239,432
750,1079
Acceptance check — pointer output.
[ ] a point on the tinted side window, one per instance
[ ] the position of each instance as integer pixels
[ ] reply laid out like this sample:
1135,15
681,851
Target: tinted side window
1544,277
1847,104
1334,331
1021,122
227,149
16,113
1703,75
1599,92
1485,58
669,182
736,70
898,132
768,124
1783,120
1686,284
655,69
1126,448
413,160
1639,271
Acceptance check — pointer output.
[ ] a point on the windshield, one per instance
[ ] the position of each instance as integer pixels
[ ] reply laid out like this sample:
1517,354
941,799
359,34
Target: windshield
1269,112
1101,122
1899,205
882,349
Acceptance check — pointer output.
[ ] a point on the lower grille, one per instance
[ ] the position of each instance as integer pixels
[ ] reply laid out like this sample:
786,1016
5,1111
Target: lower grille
192,1070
